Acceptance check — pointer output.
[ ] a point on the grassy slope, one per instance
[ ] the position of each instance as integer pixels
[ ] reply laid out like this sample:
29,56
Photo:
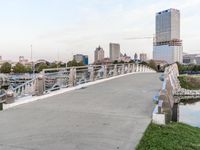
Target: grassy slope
189,82
174,136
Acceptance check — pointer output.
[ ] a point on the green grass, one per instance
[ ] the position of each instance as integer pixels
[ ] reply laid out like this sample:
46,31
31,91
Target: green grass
190,82
174,136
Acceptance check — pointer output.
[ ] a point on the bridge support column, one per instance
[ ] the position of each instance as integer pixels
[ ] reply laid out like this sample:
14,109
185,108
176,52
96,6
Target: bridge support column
141,67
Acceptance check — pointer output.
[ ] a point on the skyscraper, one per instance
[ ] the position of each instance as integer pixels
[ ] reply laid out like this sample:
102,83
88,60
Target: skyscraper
98,54
167,45
114,51
136,57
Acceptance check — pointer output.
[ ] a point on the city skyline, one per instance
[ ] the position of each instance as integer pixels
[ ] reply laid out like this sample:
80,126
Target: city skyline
63,28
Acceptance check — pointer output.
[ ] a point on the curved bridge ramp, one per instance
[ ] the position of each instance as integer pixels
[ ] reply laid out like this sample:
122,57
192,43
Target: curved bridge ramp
106,116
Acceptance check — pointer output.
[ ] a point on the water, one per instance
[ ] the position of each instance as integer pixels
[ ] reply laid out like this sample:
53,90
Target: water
189,112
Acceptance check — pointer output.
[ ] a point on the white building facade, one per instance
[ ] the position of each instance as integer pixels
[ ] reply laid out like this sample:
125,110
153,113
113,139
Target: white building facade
99,54
114,51
167,45
168,53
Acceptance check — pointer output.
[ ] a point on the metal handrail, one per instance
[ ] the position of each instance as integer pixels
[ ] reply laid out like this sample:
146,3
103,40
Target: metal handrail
26,83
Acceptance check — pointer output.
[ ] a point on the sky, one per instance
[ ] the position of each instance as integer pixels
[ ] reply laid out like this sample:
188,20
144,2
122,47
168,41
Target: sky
58,29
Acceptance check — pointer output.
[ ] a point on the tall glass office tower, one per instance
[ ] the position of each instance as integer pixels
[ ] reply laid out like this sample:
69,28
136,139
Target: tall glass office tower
168,45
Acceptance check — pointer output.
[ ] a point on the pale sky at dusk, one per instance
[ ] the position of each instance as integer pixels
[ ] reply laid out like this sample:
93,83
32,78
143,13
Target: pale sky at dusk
67,27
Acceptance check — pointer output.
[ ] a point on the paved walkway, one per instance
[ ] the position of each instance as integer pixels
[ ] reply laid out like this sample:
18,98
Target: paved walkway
107,116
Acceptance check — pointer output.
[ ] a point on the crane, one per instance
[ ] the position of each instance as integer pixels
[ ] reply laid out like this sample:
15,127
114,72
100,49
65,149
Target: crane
138,38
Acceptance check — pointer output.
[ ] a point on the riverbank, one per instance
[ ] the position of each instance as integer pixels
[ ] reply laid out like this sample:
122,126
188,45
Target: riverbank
172,136
190,82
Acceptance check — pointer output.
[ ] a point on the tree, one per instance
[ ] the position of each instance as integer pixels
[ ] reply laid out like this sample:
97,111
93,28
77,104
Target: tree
53,65
19,68
180,67
115,62
40,67
6,68
195,68
61,65
144,63
153,65
131,61
29,69
73,63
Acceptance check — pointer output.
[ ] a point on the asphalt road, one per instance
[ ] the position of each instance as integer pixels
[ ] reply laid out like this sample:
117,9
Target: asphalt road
108,116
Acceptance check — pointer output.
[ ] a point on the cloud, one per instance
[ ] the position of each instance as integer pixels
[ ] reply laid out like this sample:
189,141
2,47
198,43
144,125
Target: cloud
100,22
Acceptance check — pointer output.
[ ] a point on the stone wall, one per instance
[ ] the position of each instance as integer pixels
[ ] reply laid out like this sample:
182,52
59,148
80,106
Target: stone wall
169,95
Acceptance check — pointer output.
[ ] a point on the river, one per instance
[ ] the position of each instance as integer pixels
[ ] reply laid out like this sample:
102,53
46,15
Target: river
189,112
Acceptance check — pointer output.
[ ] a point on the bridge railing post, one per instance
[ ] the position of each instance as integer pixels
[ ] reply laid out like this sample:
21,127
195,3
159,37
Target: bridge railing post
10,97
123,69
91,70
139,68
129,68
105,71
40,82
72,77
115,70
134,68
143,68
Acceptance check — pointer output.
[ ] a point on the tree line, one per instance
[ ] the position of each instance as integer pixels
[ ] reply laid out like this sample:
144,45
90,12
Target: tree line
190,68
20,68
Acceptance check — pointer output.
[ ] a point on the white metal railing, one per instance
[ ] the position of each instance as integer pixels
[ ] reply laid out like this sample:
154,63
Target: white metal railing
27,88
54,79
72,76
2,96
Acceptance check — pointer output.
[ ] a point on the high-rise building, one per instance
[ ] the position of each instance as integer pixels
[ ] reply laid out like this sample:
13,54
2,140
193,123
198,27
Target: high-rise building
143,57
99,54
167,44
114,51
136,57
81,58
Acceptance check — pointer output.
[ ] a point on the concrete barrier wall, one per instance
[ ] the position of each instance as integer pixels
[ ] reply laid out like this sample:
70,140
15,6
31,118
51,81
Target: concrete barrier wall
166,96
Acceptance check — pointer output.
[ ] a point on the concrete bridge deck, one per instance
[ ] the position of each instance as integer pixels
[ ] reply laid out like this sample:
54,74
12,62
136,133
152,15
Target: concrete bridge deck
107,116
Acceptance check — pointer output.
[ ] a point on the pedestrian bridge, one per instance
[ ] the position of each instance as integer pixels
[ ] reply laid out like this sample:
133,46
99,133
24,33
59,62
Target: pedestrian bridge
109,115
